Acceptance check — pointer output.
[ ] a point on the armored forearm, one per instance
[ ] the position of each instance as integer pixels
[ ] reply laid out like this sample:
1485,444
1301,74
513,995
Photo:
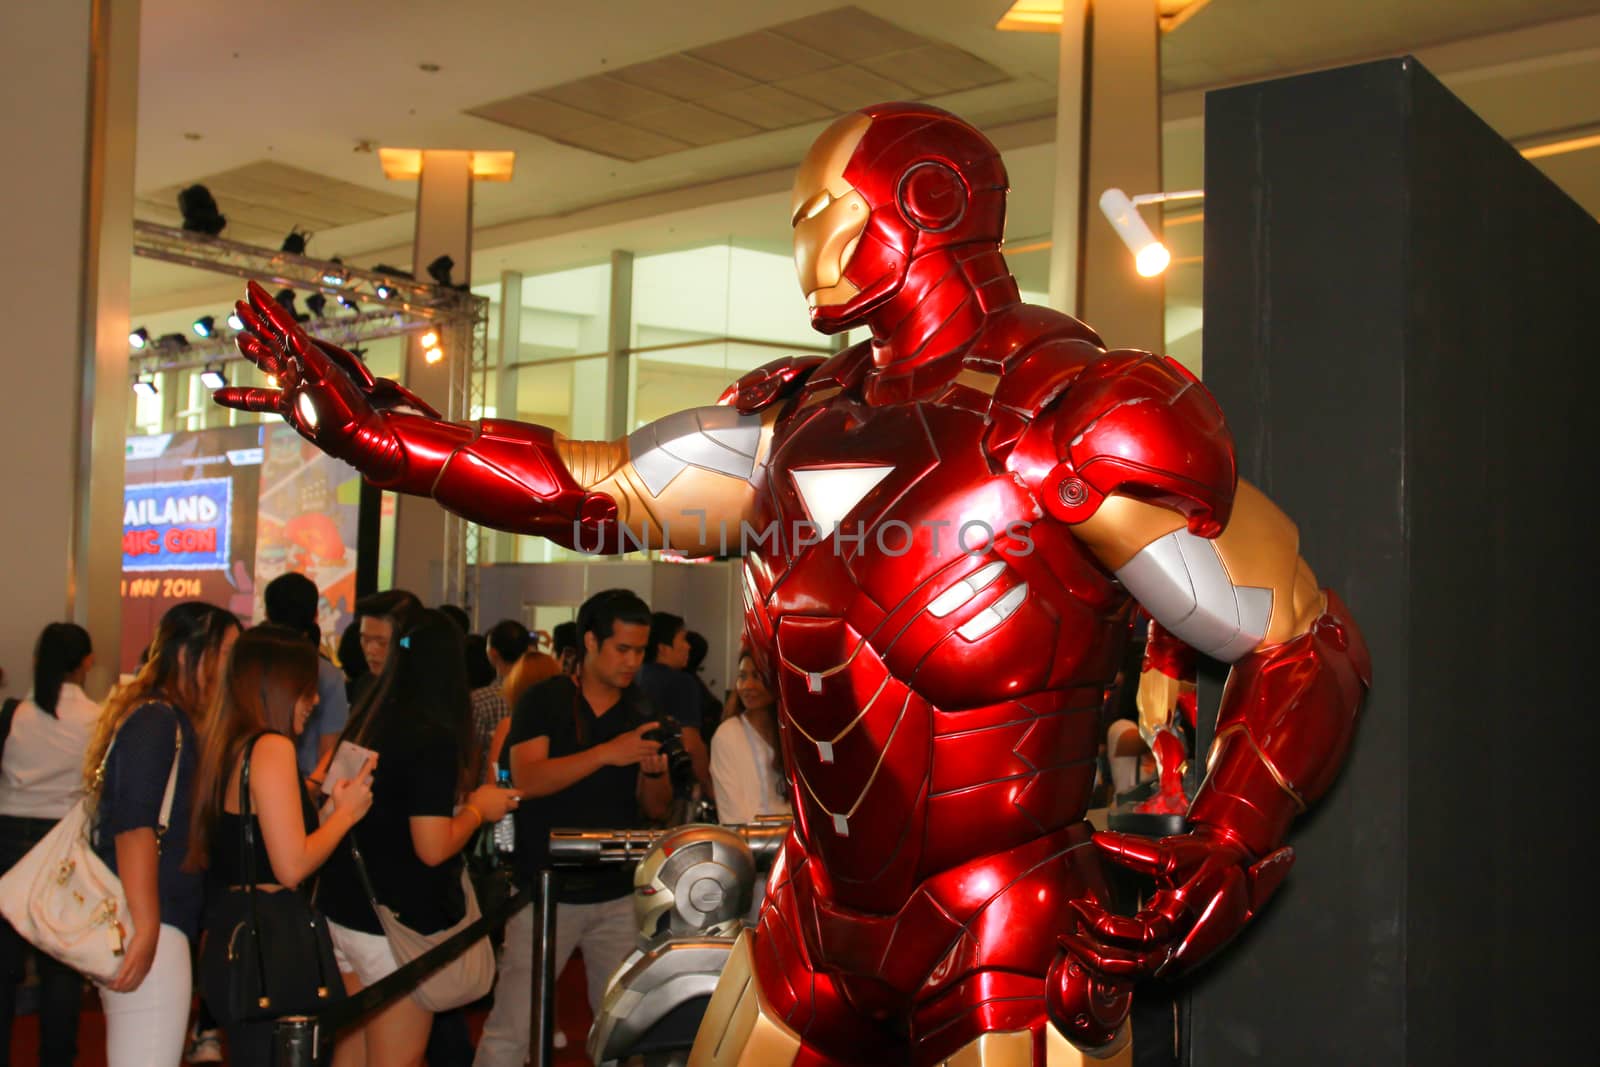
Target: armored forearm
1288,714
508,475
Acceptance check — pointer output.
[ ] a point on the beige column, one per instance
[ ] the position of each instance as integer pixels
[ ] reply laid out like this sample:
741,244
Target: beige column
64,290
619,338
1072,148
444,227
504,545
1108,135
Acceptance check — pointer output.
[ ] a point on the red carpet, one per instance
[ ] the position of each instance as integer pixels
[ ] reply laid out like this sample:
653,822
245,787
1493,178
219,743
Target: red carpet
572,1015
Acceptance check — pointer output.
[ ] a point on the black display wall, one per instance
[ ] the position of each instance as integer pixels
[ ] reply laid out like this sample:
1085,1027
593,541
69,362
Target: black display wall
1400,322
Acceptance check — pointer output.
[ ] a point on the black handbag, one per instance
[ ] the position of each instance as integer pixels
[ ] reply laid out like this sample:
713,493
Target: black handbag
266,954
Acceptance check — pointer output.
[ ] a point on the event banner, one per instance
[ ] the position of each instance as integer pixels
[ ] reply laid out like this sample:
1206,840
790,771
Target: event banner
188,526
215,514
306,518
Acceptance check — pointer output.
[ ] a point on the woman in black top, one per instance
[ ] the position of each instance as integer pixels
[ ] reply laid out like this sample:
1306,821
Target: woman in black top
147,726
417,717
269,687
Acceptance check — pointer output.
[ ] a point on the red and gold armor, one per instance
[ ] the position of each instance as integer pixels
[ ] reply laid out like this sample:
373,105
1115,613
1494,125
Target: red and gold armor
1167,704
944,531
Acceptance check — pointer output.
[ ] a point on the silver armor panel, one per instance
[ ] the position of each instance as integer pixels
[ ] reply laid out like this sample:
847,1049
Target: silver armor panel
717,439
651,984
1181,580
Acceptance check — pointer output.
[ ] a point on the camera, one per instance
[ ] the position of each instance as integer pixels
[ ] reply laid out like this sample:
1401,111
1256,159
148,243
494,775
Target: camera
669,734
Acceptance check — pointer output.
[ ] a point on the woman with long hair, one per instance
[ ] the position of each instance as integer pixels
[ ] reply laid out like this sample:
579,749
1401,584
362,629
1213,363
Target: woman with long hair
417,718
147,725
40,781
269,687
746,755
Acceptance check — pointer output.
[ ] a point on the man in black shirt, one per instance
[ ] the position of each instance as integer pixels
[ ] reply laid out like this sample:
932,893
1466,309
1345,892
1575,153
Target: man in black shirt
579,746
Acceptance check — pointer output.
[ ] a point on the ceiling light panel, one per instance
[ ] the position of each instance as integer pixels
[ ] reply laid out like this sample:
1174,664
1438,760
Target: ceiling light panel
791,74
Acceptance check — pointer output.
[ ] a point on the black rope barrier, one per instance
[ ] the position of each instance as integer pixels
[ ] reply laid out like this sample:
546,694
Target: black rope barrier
301,1041
305,1041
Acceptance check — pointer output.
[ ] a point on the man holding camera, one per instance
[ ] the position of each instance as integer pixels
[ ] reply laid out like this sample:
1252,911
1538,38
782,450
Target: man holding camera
580,746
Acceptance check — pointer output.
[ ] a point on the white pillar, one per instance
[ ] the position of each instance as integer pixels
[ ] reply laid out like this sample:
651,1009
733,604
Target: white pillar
1108,135
64,291
505,387
1124,153
1071,146
619,338
444,227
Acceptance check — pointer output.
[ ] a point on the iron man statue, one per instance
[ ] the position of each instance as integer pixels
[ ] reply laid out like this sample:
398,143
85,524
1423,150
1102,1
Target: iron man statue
1167,703
943,530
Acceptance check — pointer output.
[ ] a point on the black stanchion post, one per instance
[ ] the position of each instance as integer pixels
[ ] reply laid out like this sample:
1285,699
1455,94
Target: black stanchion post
544,973
294,1041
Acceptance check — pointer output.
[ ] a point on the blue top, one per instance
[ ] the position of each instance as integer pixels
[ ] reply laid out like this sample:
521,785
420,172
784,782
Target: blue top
327,718
130,799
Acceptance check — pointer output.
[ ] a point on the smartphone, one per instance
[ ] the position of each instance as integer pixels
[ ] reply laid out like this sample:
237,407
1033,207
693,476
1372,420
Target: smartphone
348,759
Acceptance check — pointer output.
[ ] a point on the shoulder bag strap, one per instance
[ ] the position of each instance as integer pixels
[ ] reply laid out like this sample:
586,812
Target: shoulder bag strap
361,870
247,827
8,713
172,784
247,840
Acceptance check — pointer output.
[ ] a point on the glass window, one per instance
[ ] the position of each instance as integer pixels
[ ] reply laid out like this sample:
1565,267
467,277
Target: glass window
704,316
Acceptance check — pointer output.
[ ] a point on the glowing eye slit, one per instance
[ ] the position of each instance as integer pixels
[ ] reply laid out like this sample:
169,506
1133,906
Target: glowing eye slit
814,207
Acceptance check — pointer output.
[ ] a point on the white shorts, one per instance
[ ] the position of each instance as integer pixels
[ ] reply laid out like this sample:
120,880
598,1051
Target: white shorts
367,956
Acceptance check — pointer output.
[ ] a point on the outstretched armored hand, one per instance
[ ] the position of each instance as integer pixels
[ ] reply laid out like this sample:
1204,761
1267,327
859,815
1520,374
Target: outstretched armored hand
1208,888
324,392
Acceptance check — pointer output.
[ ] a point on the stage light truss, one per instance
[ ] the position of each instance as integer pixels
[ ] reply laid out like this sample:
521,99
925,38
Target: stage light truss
405,307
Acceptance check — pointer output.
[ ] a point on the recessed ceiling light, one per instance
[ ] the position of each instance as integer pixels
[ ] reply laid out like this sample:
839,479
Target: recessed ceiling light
1044,16
192,136
428,68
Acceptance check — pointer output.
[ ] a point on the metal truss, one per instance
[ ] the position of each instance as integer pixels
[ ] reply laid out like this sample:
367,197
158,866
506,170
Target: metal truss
371,305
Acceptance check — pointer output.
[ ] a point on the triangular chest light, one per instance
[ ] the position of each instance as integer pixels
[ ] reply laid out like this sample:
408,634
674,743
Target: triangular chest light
831,493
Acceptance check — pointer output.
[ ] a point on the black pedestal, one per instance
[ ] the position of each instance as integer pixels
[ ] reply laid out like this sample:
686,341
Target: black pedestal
1401,326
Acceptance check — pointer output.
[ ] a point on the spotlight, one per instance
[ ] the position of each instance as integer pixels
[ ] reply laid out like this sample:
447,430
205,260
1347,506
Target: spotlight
172,340
285,299
315,303
295,243
205,326
439,271
199,210
235,323
385,291
345,301
212,377
139,338
430,340
144,385
1150,256
334,278
431,356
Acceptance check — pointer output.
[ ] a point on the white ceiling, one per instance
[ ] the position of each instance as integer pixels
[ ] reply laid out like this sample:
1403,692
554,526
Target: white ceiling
312,85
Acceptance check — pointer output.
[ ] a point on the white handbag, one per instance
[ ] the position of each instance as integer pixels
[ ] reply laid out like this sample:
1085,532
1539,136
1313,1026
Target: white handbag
64,900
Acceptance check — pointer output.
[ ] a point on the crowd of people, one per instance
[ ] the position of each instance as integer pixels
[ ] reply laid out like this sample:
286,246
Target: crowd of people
450,732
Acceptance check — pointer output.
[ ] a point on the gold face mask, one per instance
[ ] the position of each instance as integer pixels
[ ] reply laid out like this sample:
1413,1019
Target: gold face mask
828,214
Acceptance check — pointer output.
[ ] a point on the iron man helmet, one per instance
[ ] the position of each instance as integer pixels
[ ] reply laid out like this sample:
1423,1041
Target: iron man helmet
881,187
696,880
